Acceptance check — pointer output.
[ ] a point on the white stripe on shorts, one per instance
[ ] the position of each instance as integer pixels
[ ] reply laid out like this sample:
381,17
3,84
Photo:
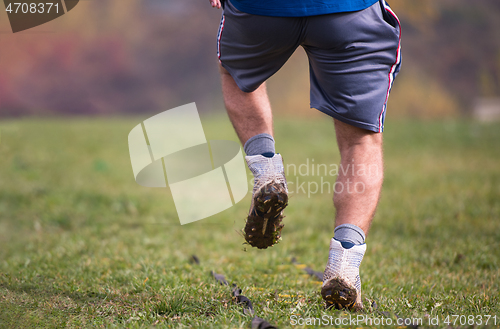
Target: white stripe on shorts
392,71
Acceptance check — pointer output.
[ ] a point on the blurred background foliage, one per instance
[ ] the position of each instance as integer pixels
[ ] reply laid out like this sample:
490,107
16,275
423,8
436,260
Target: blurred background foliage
145,56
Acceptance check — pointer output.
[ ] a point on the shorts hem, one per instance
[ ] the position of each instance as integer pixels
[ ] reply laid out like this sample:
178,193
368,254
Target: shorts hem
236,80
359,124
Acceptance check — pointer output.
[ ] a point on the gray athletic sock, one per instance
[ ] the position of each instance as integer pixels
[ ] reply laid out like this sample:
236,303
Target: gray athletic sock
349,233
259,144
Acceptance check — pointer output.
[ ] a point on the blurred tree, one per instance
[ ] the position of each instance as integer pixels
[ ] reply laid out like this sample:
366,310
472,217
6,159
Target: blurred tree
134,56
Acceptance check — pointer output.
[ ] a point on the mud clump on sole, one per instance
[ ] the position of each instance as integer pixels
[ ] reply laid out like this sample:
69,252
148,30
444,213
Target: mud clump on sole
264,223
338,294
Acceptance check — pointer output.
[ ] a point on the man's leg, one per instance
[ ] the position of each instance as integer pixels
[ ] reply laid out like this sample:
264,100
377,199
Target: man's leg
352,83
251,116
356,195
360,178
250,113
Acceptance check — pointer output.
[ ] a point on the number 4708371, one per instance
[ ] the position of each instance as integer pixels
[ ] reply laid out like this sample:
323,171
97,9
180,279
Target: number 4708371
470,320
32,8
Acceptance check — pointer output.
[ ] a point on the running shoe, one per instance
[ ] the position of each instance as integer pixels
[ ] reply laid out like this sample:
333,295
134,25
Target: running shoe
341,282
270,196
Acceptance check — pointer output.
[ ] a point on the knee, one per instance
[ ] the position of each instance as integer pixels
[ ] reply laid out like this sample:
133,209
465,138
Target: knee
364,142
352,139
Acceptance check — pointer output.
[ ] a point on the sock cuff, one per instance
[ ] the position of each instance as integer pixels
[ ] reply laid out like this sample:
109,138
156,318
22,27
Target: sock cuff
349,233
258,144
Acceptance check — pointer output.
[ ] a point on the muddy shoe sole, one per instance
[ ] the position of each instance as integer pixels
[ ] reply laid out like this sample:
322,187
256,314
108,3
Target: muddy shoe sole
264,224
337,293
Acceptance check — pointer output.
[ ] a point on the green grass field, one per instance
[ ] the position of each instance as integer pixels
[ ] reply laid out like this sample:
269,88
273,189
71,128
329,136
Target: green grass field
82,245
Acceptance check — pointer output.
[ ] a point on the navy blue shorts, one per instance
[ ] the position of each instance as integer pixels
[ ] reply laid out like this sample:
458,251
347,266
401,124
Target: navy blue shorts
353,57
